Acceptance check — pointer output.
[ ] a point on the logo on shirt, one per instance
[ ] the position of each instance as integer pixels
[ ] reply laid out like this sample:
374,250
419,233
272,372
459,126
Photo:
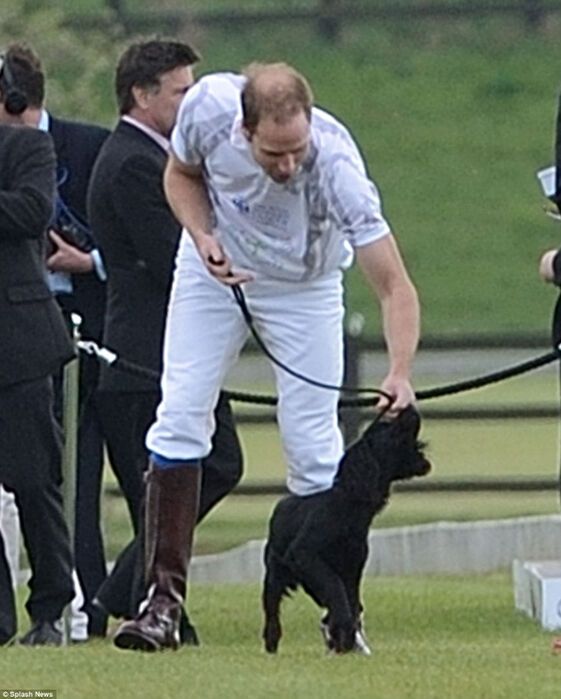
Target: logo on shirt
241,205
277,217
272,219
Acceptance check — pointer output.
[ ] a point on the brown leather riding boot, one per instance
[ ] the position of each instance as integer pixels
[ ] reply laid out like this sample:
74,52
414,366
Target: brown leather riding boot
172,500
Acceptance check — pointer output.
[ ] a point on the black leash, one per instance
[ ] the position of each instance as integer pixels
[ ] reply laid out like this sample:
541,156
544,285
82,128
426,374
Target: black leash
240,299
437,392
118,363
471,384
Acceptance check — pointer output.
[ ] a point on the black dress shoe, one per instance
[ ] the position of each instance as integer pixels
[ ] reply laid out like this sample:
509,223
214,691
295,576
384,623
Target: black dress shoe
188,635
42,633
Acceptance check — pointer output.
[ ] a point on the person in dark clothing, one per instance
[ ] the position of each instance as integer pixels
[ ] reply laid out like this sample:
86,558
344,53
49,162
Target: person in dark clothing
550,261
139,235
550,269
33,345
77,277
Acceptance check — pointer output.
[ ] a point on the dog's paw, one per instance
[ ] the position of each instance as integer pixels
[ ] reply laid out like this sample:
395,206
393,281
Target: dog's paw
271,636
338,638
271,647
326,635
360,645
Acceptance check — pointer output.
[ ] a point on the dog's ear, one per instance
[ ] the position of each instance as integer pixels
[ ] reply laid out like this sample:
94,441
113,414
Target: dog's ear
410,419
424,466
412,460
415,414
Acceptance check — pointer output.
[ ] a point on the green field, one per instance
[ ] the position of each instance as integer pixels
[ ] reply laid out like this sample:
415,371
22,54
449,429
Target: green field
453,117
433,637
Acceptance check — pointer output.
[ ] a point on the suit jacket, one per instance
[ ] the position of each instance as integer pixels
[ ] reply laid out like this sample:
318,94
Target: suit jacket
77,146
557,196
33,338
138,236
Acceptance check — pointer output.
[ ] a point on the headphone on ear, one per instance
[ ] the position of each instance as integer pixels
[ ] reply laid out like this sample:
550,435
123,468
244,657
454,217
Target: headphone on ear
15,100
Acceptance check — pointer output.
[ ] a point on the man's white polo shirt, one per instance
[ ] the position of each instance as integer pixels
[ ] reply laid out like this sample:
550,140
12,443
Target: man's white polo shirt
294,231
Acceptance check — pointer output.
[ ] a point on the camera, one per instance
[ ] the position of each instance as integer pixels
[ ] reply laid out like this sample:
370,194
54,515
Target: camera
74,232
69,227
548,181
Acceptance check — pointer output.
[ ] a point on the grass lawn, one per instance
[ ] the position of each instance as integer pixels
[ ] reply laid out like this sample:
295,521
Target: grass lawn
433,638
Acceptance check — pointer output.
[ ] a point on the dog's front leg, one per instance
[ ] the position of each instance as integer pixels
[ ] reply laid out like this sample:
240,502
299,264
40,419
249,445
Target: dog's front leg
351,572
273,589
324,585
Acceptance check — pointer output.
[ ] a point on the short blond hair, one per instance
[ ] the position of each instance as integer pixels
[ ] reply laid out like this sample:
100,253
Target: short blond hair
274,90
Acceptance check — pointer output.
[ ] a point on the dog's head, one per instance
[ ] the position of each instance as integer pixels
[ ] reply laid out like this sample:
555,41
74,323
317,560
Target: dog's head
397,444
388,450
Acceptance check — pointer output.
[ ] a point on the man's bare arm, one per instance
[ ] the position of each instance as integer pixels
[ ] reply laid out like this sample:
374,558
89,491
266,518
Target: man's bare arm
187,195
383,267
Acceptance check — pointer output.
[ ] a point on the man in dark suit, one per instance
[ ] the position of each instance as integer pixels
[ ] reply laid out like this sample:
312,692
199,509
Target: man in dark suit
78,280
33,345
550,269
550,261
138,235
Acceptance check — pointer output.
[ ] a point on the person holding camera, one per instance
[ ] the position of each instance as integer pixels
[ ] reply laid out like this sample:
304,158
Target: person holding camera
550,261
77,277
34,344
550,268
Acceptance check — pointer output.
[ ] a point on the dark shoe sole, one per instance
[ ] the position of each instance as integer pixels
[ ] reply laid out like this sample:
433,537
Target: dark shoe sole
38,641
126,640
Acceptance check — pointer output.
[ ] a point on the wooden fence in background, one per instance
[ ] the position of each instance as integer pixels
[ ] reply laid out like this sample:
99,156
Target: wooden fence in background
353,418
329,17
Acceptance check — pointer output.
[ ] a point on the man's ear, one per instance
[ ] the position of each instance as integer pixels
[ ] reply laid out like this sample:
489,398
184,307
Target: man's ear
140,95
247,133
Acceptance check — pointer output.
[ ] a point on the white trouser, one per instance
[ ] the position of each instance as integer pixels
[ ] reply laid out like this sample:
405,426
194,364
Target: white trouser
10,529
300,323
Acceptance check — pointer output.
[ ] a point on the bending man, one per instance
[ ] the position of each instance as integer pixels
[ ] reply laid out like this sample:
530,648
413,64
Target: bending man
273,194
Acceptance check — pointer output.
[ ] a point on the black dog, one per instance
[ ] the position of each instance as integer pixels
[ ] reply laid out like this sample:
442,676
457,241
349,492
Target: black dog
321,541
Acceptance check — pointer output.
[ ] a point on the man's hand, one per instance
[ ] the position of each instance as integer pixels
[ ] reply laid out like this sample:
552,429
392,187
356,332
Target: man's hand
68,258
401,391
546,270
217,263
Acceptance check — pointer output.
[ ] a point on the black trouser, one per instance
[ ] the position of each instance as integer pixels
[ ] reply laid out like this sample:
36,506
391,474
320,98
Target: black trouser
124,589
556,339
30,449
125,419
